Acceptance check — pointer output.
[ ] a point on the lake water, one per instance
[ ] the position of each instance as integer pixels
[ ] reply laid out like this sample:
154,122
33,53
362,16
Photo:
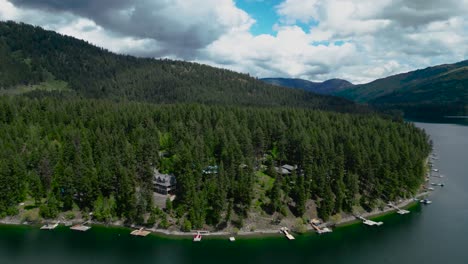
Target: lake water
436,233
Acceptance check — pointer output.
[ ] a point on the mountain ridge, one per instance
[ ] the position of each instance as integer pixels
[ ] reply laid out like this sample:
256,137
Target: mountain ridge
31,55
327,87
438,90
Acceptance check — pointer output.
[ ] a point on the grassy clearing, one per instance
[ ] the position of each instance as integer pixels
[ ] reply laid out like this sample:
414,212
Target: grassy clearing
51,85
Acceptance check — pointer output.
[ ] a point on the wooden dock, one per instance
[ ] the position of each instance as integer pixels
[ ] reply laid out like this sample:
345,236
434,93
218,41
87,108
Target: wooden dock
399,211
315,223
80,227
288,235
50,226
140,232
369,222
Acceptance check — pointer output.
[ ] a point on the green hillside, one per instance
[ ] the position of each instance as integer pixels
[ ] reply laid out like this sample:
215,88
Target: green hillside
435,91
327,87
31,55
82,130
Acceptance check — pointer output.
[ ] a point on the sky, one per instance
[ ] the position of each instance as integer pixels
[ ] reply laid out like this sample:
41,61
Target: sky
356,40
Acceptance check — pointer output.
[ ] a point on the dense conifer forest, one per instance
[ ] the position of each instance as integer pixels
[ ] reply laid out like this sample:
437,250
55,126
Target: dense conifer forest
31,55
93,145
99,156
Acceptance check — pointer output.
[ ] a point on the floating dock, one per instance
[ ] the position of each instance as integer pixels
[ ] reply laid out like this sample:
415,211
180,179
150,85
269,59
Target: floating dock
315,223
80,227
140,232
369,222
399,211
50,226
285,231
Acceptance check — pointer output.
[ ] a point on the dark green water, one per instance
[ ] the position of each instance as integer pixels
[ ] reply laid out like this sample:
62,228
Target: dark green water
437,233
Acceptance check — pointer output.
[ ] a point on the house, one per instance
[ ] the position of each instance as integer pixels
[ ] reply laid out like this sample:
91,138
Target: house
164,183
285,169
211,170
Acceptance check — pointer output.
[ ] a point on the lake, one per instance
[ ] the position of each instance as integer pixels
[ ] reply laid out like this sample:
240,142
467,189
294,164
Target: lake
436,233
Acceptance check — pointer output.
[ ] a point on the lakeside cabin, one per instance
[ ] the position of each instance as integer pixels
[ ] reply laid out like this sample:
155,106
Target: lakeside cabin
164,183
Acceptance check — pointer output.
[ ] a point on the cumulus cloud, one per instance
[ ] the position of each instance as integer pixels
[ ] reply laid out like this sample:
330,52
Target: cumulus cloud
180,26
358,40
391,36
289,53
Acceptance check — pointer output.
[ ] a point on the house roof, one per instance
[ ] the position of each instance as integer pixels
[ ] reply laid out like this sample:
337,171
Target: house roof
282,170
164,179
211,170
288,167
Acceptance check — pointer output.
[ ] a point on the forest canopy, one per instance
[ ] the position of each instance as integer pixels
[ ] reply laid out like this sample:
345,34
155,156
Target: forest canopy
95,153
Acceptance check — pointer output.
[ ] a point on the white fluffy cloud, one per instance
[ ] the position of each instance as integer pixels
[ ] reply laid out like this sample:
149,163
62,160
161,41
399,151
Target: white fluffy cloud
289,53
391,36
358,40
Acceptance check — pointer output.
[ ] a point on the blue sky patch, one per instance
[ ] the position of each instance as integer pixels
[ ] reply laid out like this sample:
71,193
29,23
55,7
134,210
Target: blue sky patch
264,12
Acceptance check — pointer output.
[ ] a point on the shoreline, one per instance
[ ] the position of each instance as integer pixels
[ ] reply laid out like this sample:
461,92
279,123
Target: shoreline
346,221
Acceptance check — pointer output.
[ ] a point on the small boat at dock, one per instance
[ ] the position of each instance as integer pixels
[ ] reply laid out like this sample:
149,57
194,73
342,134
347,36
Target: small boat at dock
197,237
425,201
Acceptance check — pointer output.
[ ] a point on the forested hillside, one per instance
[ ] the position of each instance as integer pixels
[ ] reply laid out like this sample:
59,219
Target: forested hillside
98,155
432,92
328,87
30,55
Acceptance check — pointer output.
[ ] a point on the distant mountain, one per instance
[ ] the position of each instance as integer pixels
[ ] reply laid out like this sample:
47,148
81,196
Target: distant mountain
32,58
328,87
434,91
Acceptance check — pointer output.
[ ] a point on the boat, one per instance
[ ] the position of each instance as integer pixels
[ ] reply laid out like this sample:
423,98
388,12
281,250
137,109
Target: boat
197,237
425,201
232,239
